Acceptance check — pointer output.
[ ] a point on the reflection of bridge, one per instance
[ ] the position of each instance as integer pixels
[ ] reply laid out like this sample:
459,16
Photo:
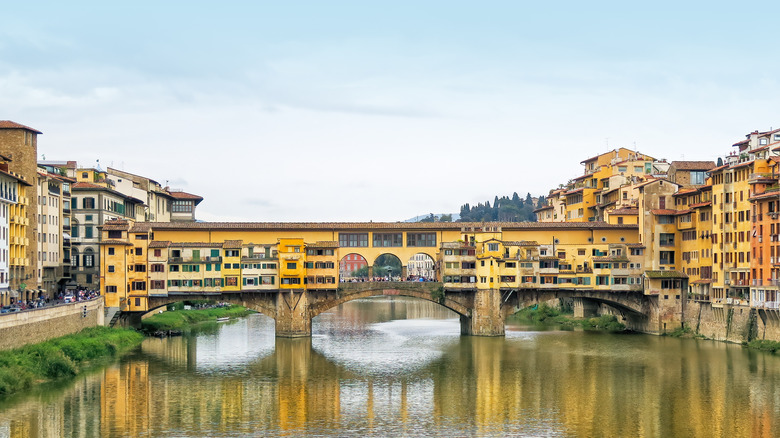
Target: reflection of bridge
481,311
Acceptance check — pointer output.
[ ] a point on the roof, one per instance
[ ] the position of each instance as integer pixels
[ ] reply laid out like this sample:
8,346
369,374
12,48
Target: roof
521,243
115,242
665,274
323,244
772,194
338,226
159,243
15,176
701,204
186,196
630,211
232,244
195,244
7,124
685,192
667,212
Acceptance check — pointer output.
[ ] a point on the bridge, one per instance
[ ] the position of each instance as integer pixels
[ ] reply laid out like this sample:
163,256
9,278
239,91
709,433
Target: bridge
482,311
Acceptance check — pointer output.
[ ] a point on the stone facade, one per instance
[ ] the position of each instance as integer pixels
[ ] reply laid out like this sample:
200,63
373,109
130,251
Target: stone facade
30,327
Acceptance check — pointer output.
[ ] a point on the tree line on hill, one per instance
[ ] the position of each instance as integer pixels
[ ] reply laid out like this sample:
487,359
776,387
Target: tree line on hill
503,209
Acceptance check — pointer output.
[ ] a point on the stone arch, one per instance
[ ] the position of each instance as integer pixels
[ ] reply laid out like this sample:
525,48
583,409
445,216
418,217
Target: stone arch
421,265
323,306
387,264
351,263
252,302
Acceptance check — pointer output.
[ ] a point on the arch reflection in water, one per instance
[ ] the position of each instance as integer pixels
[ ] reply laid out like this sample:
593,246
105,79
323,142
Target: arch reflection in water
367,372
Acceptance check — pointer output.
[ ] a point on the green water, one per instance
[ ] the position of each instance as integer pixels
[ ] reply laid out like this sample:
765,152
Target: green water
398,367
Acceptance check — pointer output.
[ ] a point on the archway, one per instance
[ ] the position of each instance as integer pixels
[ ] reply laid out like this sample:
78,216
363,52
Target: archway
387,267
353,266
422,267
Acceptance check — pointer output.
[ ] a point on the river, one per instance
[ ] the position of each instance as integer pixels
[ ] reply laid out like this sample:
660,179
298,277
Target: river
392,366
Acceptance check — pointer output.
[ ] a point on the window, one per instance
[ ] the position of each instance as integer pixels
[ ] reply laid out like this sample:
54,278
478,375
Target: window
139,285
111,268
157,284
292,265
139,251
111,289
111,250
182,207
89,260
353,240
114,234
698,178
666,257
231,281
232,253
666,239
421,239
388,239
157,267
88,230
158,253
88,202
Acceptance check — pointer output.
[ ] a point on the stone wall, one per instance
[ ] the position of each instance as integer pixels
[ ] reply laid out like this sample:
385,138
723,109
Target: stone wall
768,324
33,326
727,323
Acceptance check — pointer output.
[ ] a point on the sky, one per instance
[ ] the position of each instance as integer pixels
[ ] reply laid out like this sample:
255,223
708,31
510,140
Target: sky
324,111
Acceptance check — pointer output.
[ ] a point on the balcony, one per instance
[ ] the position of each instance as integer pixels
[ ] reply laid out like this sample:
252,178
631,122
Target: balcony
758,178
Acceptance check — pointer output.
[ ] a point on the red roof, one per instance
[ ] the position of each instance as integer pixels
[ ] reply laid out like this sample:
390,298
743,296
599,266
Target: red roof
693,165
7,124
668,212
86,185
185,195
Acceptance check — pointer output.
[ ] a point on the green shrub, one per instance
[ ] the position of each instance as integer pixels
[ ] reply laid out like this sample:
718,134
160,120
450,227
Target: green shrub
765,345
61,357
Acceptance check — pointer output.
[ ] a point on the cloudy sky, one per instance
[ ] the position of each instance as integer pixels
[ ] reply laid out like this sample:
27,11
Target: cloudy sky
382,110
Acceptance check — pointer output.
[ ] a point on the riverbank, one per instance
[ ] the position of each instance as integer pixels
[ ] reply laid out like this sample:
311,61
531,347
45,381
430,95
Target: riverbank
62,357
179,319
544,314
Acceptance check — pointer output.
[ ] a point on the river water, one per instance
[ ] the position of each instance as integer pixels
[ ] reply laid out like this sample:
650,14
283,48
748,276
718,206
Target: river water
398,367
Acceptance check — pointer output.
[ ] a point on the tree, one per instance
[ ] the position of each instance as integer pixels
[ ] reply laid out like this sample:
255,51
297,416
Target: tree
445,218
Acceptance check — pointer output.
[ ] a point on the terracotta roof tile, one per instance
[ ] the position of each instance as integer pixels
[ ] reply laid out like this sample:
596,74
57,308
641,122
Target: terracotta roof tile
195,245
337,226
629,211
232,244
665,274
115,242
323,244
693,165
7,124
665,212
159,243
185,195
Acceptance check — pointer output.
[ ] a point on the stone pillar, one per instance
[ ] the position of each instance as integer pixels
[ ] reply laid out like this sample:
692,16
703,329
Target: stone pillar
486,318
292,313
584,308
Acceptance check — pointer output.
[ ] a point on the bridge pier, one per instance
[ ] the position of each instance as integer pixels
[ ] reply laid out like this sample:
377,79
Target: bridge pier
292,314
486,318
585,308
